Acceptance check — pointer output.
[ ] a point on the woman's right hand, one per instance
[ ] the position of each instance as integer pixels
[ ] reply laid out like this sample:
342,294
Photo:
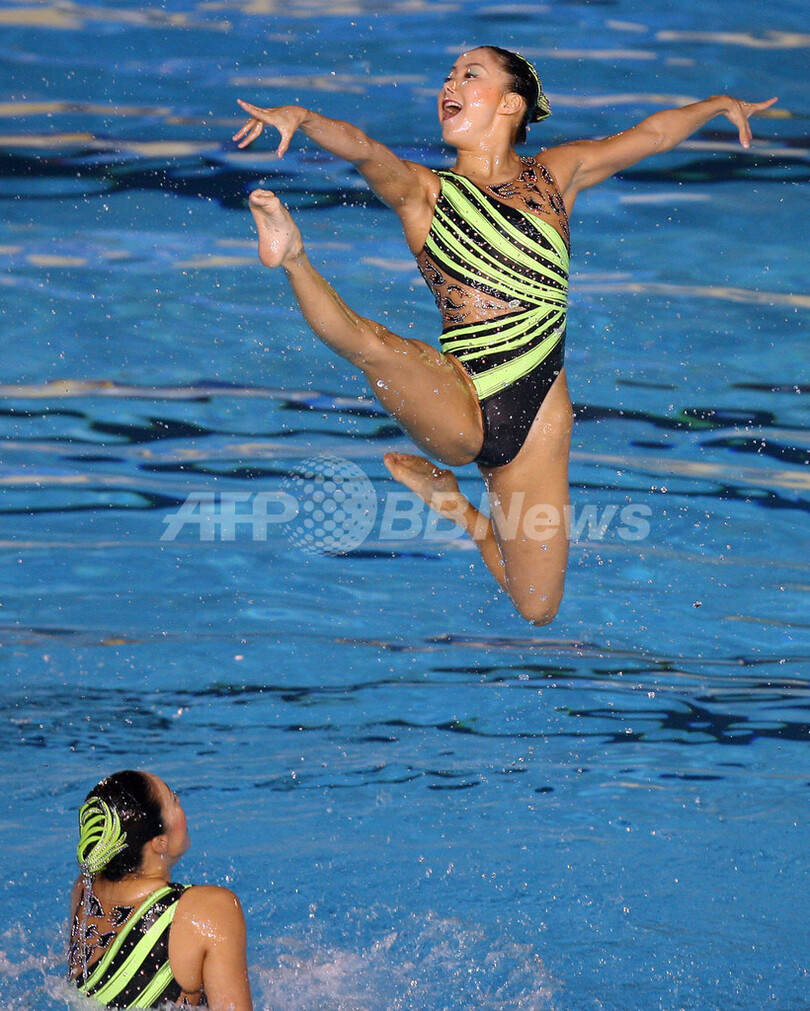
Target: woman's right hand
286,119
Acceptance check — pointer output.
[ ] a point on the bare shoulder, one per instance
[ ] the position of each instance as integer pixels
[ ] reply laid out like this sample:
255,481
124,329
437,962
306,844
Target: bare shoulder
563,161
211,905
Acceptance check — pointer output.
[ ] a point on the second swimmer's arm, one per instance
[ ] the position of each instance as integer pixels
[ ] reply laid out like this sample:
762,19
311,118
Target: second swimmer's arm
585,163
212,929
395,181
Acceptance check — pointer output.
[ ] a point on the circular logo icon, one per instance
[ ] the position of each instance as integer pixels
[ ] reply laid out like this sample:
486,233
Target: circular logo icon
337,505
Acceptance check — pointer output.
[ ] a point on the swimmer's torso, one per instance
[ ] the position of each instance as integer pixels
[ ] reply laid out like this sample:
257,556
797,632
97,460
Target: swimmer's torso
496,260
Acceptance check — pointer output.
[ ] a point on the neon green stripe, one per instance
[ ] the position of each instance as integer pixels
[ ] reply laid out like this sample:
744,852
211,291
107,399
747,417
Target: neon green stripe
501,329
491,382
510,332
156,986
464,187
465,200
119,980
472,252
512,338
471,203
103,964
480,268
476,262
473,256
451,231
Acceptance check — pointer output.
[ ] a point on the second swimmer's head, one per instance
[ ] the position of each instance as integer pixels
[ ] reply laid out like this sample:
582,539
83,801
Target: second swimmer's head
116,821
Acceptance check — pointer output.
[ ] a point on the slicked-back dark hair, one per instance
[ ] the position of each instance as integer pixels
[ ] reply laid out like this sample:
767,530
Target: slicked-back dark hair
524,83
129,800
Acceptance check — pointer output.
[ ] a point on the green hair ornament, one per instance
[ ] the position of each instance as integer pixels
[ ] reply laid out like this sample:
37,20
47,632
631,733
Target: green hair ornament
100,836
542,108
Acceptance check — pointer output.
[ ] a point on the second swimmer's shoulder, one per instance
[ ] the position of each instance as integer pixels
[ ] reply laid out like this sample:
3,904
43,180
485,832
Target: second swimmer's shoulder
209,893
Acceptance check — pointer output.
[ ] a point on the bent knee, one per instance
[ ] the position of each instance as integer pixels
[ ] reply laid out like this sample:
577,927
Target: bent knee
538,609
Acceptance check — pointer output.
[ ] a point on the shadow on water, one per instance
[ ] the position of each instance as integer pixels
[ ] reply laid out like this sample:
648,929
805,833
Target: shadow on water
228,184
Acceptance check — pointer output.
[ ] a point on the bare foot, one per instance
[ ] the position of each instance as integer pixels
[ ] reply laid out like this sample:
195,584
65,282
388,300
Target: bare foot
435,486
279,239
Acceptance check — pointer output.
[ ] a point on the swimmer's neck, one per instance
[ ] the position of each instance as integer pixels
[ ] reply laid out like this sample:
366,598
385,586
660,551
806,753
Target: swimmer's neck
129,890
488,166
140,876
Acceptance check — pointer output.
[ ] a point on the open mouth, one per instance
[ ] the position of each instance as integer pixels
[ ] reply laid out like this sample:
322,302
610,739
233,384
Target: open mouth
450,109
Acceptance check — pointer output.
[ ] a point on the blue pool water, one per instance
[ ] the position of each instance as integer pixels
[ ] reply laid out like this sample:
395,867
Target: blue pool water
422,801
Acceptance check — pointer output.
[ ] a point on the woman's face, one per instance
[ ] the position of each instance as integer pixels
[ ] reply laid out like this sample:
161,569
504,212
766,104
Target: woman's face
471,96
175,827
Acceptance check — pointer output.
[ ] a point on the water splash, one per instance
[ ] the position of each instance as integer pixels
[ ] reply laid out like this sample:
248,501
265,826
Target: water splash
424,961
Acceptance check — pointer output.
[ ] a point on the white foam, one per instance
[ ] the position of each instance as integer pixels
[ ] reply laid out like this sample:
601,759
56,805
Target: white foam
420,961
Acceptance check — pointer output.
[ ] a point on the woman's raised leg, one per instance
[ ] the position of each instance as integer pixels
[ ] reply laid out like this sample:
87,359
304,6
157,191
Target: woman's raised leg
427,393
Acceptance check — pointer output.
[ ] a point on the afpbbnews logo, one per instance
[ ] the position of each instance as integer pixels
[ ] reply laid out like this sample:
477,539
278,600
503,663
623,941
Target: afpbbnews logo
329,506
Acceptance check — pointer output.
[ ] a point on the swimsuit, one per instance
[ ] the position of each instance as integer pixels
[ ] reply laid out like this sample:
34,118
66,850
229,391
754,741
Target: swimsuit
499,275
134,969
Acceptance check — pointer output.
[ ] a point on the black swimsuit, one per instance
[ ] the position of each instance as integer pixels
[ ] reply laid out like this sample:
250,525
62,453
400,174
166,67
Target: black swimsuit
499,275
133,970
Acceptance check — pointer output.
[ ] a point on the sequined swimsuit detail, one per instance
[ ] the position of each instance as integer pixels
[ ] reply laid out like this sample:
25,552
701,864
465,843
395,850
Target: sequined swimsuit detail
499,274
134,969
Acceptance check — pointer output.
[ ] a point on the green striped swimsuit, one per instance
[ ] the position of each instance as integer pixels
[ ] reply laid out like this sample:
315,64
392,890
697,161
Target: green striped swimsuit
499,274
134,970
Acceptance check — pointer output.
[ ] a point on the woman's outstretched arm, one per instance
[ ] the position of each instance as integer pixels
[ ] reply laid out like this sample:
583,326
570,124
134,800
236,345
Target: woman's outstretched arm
582,164
401,184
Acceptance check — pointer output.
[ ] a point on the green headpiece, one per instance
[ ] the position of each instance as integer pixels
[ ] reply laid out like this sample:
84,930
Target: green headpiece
542,108
100,835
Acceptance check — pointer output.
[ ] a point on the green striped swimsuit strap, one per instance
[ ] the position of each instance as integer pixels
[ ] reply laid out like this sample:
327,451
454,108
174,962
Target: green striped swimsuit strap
105,989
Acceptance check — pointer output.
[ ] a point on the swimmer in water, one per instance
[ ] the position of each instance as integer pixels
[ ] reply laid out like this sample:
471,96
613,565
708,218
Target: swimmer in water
136,939
491,239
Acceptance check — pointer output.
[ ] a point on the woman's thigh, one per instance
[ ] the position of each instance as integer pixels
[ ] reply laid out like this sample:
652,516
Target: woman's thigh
429,394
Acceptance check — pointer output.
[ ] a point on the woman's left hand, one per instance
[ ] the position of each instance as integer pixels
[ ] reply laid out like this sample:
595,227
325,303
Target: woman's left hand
740,112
